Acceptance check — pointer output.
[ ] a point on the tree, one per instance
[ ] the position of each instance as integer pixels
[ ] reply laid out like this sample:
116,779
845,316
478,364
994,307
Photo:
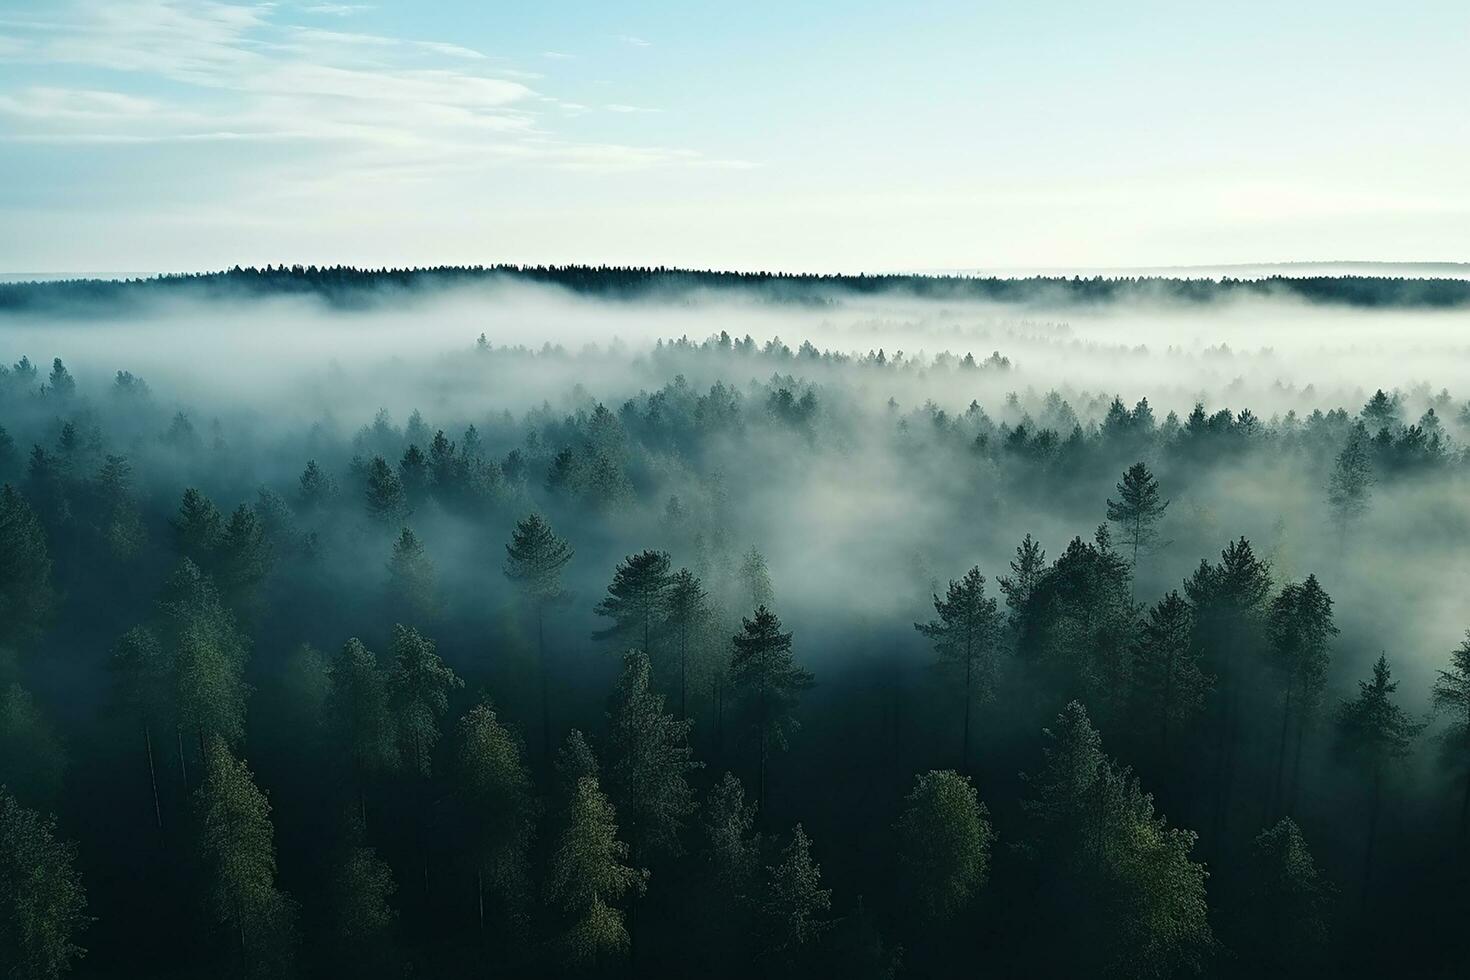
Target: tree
1137,511
1285,929
359,717
42,903
1451,693
26,597
387,503
1169,686
316,489
769,682
944,844
587,876
1026,571
418,694
755,580
31,756
688,616
1373,732
795,902
197,528
1350,487
208,655
141,690
1300,627
502,807
965,635
1120,895
636,599
237,843
534,560
412,584
361,920
729,832
649,760
243,558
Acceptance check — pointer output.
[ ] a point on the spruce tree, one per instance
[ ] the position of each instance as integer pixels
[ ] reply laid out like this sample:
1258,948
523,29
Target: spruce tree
361,920
1451,695
501,805
418,694
387,504
1300,628
587,877
1285,928
359,717
795,905
688,617
413,587
26,596
1350,486
965,637
1169,686
197,528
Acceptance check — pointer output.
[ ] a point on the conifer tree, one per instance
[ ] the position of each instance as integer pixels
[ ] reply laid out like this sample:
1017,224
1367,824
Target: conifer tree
1451,695
587,877
42,903
1137,511
795,904
412,582
755,580
418,694
965,636
769,682
208,655
26,596
1300,628
387,504
361,919
32,760
636,600
1350,486
141,676
498,792
1169,687
243,558
237,843
944,844
1026,571
534,560
688,617
197,528
316,489
1286,925
358,714
1374,732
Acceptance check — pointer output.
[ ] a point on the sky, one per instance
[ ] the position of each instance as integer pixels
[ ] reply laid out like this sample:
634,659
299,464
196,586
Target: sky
174,135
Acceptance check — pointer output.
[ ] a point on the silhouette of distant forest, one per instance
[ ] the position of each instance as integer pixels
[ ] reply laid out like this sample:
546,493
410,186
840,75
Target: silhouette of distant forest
349,286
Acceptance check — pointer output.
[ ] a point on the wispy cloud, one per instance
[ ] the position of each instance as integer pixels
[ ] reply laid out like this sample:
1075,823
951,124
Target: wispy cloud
557,55
633,40
620,107
336,9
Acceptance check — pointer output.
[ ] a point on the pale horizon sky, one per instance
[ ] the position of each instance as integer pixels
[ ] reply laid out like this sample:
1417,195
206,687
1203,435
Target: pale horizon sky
172,135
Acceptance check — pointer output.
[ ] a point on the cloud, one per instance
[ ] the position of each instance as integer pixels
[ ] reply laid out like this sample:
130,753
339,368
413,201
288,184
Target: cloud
558,55
620,107
629,39
336,9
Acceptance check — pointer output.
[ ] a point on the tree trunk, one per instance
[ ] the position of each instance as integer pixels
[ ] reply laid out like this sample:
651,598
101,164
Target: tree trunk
683,674
1276,789
545,696
153,777
1296,764
1372,832
183,767
965,745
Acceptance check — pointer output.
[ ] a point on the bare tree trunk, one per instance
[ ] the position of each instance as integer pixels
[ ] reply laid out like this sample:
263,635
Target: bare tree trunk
965,745
545,696
1277,793
153,777
183,767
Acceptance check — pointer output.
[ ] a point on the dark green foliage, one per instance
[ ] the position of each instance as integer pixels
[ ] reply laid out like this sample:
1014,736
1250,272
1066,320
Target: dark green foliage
413,587
502,809
418,694
1350,488
42,904
197,528
1169,687
965,636
1451,696
362,919
1121,896
1137,511
768,681
32,760
534,559
636,600
688,619
587,878
795,905
26,596
1286,926
358,714
944,845
387,502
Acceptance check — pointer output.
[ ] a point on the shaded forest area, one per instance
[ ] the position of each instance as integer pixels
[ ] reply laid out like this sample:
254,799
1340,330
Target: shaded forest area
349,287
751,671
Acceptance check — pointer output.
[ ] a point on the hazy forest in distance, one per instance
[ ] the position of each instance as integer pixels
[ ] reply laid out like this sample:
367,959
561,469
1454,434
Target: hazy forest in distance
532,622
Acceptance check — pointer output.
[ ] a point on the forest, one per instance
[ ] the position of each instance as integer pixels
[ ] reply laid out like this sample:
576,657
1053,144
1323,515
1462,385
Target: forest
534,628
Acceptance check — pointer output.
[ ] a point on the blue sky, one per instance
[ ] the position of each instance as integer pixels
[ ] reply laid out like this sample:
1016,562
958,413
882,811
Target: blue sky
177,134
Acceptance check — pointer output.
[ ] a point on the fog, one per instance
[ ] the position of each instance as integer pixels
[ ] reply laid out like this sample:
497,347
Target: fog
871,447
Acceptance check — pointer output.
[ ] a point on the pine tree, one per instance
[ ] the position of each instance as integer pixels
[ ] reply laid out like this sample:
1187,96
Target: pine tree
141,676
387,504
31,755
237,843
729,831
1026,571
1451,694
412,583
688,617
965,636
587,877
361,919
795,902
42,903
769,682
636,600
534,560
316,489
243,558
418,693
1350,487
1121,896
359,717
1169,686
755,580
1374,733
649,761
1137,511
208,655
498,792
1300,628
944,845
1285,929
197,528
26,596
